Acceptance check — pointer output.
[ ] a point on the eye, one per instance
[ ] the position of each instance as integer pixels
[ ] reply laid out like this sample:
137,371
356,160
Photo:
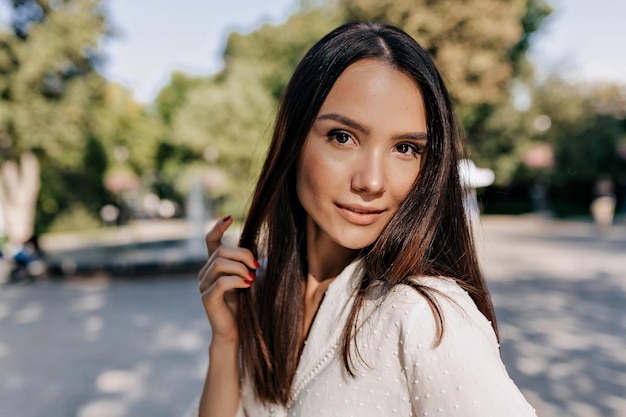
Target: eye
339,136
409,148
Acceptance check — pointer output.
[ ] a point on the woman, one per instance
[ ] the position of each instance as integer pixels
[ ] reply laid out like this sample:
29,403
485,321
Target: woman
370,300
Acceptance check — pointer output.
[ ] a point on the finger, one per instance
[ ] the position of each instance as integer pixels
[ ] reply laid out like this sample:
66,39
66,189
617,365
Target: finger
214,295
203,270
214,237
233,253
242,255
224,267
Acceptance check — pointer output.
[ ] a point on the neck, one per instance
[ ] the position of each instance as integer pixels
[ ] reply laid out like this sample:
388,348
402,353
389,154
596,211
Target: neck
325,258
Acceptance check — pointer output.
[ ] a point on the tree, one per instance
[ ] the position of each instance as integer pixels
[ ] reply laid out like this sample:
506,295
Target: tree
587,128
18,191
56,106
172,154
218,122
120,122
275,50
479,45
47,84
173,96
580,130
219,126
471,41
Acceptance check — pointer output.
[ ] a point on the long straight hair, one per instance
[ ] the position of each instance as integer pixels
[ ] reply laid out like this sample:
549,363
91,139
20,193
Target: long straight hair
428,235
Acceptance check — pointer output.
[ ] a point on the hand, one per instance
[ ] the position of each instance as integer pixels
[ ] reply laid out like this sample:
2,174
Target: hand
227,269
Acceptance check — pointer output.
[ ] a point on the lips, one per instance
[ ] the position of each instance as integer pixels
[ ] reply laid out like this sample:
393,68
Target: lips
359,215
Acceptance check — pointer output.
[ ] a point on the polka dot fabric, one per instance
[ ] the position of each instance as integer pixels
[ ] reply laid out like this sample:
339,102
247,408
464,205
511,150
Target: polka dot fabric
399,370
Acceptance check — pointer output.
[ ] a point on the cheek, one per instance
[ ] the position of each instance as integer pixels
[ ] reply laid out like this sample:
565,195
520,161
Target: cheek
317,168
402,191
403,183
301,185
307,175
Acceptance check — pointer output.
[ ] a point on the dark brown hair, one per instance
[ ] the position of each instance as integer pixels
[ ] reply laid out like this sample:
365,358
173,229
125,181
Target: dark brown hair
428,235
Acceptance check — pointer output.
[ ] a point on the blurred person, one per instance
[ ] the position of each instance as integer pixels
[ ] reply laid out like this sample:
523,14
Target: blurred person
29,251
5,268
356,288
472,178
27,260
603,205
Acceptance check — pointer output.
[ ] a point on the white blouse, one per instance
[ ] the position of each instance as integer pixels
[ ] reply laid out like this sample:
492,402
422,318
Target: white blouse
401,372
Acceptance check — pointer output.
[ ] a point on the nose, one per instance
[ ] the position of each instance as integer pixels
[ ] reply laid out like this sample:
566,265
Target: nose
369,174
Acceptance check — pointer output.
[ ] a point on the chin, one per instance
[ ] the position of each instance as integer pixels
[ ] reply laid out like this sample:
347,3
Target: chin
356,242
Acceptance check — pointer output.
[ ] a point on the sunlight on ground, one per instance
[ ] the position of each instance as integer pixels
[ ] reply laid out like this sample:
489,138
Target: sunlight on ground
93,327
5,350
119,381
89,302
170,338
4,310
103,408
142,320
102,347
128,386
29,313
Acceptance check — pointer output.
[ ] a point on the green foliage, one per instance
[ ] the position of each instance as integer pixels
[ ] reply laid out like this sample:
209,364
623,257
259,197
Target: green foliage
222,124
50,82
75,218
536,12
585,140
477,46
275,50
173,96
54,102
585,134
225,119
68,189
471,41
584,158
95,164
119,121
215,129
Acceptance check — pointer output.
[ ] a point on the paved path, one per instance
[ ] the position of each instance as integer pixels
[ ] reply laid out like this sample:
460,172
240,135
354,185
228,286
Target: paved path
137,347
560,295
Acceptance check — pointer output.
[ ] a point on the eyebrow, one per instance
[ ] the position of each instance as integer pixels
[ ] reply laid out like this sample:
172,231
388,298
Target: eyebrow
414,136
344,120
358,126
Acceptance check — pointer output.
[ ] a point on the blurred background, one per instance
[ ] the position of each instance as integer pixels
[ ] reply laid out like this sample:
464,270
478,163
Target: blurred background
126,128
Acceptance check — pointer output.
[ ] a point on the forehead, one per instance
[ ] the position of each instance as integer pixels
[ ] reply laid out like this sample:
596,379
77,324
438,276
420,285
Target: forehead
374,92
370,68
373,76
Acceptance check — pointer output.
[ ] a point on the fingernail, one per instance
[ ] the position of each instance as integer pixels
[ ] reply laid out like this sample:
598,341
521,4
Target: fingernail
251,275
247,282
256,264
227,218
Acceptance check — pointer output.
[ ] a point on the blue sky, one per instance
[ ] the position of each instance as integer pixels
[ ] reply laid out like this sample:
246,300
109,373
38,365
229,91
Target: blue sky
188,35
582,40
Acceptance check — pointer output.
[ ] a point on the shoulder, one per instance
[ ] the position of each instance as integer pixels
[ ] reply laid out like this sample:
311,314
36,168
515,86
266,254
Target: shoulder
445,292
415,309
440,288
462,372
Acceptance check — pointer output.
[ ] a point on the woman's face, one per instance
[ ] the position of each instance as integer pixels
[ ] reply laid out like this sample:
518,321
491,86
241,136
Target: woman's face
362,154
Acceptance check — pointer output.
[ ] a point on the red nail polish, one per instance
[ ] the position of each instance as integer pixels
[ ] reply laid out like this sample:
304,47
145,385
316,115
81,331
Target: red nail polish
251,275
247,281
227,218
256,264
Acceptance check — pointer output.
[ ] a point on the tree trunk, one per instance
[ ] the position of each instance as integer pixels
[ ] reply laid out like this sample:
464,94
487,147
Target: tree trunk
19,187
